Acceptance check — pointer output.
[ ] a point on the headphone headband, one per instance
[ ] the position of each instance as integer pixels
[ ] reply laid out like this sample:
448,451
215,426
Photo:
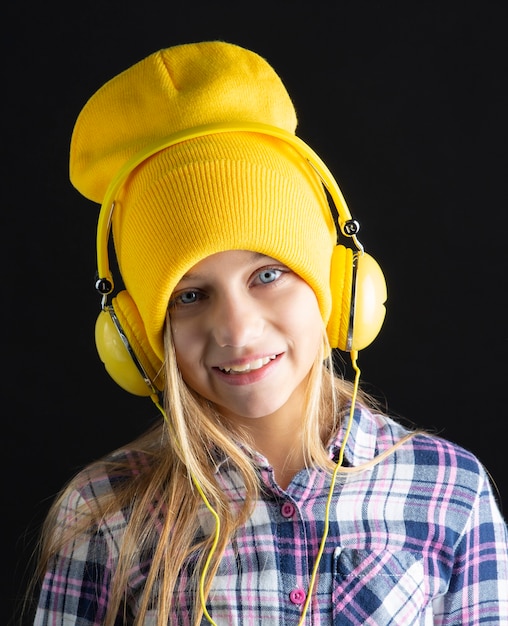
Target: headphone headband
347,225
357,282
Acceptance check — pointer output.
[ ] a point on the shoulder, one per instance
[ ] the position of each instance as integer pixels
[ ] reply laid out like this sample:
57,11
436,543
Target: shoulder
446,469
102,482
434,477
429,457
429,446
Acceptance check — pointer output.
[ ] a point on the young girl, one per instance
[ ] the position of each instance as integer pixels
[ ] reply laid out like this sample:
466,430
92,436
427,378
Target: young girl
272,491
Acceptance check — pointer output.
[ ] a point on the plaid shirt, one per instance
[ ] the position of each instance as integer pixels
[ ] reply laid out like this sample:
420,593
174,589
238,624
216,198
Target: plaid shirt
416,539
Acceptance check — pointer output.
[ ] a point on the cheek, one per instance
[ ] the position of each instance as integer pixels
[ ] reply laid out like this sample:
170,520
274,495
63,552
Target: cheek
186,343
303,325
303,314
190,348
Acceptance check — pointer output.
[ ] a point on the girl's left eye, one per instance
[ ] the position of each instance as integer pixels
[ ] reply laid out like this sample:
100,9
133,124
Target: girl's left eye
269,275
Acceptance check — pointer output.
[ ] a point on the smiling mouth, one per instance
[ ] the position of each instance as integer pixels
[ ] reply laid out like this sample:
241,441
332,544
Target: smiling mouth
248,367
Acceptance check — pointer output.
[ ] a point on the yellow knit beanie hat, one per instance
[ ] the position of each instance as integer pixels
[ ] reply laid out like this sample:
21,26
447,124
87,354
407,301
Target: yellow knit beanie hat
235,190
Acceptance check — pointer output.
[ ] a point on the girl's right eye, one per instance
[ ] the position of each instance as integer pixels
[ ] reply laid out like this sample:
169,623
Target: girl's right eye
184,298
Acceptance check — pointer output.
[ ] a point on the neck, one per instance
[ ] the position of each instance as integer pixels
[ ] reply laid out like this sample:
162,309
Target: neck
282,445
278,436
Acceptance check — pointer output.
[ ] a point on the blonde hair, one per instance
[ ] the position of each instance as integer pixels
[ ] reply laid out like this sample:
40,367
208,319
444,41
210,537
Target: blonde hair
163,501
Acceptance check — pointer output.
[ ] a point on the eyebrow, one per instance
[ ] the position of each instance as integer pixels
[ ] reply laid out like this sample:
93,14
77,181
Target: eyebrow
191,275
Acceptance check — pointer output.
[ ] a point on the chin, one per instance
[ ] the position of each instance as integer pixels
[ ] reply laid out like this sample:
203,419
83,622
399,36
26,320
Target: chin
251,413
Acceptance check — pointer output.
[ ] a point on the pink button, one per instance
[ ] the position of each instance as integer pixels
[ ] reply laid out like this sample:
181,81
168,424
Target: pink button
287,509
297,596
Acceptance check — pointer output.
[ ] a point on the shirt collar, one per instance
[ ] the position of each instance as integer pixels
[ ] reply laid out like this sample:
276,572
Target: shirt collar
361,445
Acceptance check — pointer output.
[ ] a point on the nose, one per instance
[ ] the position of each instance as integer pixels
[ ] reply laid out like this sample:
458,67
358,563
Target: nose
236,321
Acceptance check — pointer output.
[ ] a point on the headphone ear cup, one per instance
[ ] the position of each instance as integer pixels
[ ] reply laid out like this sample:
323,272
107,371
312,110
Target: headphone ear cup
124,349
358,300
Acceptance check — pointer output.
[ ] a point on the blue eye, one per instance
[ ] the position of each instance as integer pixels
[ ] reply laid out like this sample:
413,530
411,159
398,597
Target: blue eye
184,297
269,275
188,297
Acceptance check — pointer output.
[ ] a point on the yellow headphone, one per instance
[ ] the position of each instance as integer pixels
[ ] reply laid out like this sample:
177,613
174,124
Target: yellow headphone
357,283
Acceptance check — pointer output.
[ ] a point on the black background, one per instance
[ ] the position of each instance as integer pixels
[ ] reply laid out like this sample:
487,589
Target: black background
405,101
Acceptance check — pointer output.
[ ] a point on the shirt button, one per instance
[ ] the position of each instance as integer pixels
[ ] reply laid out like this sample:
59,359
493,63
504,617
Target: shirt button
287,509
297,596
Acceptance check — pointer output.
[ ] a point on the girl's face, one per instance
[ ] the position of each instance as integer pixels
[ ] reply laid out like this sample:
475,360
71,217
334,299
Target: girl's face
246,331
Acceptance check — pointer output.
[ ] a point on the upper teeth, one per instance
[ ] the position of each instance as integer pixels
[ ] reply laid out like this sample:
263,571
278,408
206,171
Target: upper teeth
247,367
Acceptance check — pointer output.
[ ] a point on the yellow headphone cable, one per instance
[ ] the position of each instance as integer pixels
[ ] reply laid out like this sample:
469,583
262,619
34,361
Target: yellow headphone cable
340,460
